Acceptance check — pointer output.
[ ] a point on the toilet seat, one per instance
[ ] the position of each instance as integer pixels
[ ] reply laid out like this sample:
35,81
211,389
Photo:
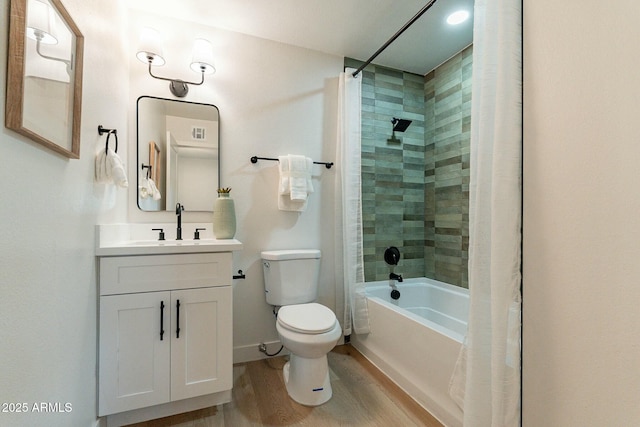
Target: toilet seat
311,318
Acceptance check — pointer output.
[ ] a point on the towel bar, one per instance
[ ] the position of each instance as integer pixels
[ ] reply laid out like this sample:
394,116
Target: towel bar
255,159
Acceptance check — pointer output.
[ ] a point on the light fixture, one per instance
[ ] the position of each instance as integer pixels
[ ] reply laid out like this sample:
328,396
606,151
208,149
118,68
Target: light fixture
457,17
41,27
202,57
41,24
150,52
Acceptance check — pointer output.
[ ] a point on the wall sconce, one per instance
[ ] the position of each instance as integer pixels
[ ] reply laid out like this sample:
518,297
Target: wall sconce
41,27
150,52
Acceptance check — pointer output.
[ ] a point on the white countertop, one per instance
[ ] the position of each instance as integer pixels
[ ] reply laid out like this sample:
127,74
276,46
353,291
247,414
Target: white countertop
139,239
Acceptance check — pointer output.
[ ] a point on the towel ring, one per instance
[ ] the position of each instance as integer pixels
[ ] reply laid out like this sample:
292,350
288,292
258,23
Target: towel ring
148,168
102,130
106,148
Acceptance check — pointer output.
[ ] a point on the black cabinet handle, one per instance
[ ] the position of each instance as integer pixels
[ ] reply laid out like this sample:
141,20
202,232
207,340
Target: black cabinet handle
161,319
178,319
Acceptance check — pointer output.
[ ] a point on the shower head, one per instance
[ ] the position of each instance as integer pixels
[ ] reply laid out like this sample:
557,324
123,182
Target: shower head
400,125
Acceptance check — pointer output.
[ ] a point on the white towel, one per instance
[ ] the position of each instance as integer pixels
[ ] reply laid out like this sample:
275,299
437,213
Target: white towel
300,177
148,188
110,169
144,190
295,182
115,168
283,168
101,167
286,204
295,176
155,193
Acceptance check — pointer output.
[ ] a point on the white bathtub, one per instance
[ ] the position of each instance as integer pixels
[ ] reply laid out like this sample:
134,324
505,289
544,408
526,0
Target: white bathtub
415,340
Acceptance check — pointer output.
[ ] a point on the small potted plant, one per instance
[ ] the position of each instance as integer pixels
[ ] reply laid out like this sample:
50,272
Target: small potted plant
224,192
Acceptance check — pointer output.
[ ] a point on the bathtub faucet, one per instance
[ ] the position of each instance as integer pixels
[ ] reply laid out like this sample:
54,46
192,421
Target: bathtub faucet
394,276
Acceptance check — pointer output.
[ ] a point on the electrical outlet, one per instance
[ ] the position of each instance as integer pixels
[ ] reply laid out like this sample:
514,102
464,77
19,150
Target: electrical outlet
262,348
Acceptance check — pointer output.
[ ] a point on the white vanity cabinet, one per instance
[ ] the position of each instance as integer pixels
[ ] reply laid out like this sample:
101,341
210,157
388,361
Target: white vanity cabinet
165,333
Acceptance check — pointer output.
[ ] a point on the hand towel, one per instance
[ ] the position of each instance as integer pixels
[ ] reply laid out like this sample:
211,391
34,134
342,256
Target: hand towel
115,169
155,193
286,204
299,177
144,188
101,173
110,169
283,168
294,183
295,176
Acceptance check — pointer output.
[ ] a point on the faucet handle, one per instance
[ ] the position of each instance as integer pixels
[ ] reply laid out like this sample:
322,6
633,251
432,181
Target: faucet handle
161,235
196,235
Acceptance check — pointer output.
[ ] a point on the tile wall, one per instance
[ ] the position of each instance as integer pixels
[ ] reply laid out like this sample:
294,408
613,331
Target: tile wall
448,120
415,192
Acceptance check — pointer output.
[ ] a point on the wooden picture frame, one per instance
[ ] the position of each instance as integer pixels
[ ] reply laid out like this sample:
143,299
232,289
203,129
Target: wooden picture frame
44,81
154,162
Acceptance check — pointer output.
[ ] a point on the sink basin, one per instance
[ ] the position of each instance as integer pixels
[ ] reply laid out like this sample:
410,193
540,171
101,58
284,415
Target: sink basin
170,242
116,240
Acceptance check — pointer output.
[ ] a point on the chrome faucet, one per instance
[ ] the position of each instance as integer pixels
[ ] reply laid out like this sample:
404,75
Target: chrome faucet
179,209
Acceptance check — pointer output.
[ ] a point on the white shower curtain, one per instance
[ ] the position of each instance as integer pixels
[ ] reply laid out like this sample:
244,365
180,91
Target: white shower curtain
349,259
486,382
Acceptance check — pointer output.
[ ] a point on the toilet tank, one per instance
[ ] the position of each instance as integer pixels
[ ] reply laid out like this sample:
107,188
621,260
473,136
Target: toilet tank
291,276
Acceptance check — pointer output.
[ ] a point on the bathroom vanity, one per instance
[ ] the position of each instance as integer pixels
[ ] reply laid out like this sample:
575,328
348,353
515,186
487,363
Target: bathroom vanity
165,323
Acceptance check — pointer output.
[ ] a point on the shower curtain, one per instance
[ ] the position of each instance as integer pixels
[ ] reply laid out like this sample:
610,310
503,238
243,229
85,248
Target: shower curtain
486,381
349,259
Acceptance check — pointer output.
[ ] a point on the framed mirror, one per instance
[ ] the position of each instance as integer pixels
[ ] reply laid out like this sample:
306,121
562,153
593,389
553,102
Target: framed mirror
44,75
178,154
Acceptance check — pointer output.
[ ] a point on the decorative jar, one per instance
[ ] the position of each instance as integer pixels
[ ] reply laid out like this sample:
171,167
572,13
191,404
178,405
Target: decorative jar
224,215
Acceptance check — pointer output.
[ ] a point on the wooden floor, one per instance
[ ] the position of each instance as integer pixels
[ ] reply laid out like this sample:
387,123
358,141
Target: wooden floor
362,396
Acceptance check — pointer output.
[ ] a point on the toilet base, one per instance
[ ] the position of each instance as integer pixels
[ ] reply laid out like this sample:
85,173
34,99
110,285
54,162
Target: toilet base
307,380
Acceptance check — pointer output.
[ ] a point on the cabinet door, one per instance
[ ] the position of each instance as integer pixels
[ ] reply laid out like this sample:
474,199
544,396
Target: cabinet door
134,360
202,350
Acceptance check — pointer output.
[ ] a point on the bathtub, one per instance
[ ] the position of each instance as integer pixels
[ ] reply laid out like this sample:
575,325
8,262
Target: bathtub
415,340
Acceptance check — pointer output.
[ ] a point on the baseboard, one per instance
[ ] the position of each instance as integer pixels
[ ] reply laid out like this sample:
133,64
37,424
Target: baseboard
250,352
168,409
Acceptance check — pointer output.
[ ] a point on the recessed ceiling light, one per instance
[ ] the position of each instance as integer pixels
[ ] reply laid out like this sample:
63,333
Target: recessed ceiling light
457,17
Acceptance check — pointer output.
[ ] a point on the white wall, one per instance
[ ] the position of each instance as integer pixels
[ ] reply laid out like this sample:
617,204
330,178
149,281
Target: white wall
581,214
274,99
581,225
49,208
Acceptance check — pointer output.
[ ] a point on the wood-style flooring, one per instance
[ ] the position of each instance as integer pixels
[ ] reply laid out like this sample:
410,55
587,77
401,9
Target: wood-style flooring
362,396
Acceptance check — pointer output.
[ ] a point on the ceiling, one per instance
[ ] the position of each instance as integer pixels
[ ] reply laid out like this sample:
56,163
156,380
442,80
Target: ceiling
351,28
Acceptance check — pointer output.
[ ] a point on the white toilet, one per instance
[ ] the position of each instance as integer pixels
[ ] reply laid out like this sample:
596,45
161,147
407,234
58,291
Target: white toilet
307,329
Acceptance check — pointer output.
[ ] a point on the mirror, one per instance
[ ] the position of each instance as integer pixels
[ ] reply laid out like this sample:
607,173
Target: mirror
178,154
44,75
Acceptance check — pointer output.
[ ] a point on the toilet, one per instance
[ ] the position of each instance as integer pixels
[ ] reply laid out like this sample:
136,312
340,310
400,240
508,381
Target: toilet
307,329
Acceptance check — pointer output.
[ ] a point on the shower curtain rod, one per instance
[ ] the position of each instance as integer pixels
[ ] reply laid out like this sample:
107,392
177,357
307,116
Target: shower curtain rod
395,36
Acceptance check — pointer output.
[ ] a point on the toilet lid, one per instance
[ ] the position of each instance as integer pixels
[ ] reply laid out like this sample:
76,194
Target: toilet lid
309,318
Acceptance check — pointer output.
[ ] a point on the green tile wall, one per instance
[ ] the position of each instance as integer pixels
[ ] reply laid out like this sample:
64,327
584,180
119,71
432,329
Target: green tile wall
448,118
415,193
